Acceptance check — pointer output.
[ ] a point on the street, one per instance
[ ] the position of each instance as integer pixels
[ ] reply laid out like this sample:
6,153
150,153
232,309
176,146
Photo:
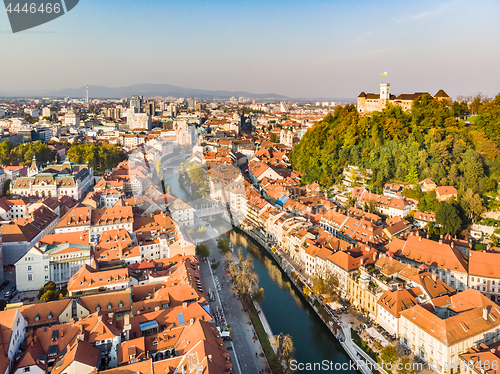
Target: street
246,352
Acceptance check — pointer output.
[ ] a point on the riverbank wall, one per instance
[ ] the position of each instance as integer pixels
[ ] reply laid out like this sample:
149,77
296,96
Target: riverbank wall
287,268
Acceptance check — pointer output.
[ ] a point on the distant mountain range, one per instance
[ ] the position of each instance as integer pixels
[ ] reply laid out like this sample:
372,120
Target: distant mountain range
147,90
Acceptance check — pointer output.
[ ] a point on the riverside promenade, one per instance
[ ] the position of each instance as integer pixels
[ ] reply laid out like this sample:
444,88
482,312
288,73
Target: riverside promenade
245,350
340,328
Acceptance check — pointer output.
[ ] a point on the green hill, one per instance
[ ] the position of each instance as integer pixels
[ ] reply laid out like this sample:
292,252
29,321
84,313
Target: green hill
425,142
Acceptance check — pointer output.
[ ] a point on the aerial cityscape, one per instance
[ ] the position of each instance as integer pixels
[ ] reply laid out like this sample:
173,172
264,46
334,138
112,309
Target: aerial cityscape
248,188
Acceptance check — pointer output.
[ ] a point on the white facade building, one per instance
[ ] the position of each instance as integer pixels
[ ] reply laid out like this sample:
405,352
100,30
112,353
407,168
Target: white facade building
139,121
32,270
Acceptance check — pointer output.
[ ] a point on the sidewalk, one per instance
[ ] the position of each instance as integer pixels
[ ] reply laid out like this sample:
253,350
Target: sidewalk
247,355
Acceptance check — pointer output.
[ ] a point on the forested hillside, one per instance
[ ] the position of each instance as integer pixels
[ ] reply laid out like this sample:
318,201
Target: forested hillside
426,142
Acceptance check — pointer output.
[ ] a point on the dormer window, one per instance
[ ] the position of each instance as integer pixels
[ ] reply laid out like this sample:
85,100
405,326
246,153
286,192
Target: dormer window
50,316
120,304
37,317
97,308
109,305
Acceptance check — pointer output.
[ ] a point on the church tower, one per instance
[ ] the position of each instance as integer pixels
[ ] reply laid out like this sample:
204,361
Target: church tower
33,169
385,94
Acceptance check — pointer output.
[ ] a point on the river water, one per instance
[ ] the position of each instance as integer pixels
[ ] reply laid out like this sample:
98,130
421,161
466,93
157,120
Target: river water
286,310
284,307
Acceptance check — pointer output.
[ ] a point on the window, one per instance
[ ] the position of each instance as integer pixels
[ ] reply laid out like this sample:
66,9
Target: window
30,277
29,267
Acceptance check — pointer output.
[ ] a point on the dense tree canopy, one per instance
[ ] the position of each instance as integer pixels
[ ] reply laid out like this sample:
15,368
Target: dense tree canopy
202,251
99,157
424,142
197,177
22,154
447,216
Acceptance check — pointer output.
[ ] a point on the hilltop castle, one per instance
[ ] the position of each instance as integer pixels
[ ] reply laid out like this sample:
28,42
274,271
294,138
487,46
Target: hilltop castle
371,102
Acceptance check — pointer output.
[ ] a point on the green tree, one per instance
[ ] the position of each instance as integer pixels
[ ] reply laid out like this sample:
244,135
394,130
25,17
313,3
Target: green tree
198,178
412,176
202,251
245,278
6,148
405,366
389,354
223,245
6,188
99,157
274,138
284,348
447,216
473,169
48,292
318,285
472,203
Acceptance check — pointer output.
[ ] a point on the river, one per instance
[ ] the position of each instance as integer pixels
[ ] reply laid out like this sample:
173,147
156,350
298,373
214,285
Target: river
284,307
286,310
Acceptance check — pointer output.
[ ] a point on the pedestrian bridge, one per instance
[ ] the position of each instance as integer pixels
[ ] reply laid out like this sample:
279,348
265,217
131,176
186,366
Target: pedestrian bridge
206,210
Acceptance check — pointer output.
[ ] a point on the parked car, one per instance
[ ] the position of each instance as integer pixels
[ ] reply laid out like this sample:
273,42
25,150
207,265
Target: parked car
13,289
7,295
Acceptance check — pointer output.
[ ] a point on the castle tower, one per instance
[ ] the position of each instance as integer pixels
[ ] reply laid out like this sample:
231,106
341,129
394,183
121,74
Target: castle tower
385,94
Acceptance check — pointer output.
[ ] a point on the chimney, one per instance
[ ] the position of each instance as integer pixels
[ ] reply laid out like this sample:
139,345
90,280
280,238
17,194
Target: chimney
452,245
419,238
126,319
184,305
440,241
374,256
485,314
433,276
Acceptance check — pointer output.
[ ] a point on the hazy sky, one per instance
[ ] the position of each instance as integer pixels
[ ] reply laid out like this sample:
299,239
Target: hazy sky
295,48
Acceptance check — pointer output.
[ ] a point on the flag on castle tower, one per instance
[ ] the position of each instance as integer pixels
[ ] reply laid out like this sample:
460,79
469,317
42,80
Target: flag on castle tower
383,74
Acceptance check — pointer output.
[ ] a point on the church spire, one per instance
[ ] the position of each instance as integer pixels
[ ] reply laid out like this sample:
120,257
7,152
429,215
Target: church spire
33,170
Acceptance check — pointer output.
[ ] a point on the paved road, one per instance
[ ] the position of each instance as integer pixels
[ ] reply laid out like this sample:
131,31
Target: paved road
246,354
